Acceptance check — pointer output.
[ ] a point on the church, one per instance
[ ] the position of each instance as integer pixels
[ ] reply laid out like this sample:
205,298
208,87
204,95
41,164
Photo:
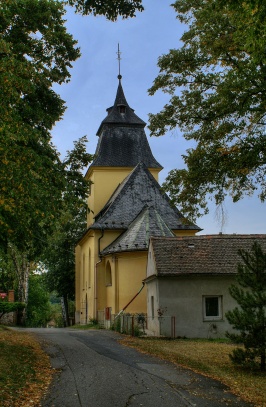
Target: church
126,208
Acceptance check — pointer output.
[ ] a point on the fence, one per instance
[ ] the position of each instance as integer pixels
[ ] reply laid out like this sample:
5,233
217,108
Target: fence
130,324
138,324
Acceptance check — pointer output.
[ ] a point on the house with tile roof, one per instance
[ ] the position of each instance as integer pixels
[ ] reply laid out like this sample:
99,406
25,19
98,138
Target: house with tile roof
187,283
127,207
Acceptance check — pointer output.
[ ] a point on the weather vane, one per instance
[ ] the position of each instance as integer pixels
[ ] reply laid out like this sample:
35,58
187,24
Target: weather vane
119,59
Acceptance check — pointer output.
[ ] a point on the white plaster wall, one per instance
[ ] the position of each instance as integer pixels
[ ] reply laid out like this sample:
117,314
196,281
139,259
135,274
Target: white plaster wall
182,297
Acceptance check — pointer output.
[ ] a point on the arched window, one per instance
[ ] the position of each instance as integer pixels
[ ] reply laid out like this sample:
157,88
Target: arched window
108,274
83,271
89,267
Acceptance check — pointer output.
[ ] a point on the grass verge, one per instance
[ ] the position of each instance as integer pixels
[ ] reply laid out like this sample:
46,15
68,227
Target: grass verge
209,358
25,371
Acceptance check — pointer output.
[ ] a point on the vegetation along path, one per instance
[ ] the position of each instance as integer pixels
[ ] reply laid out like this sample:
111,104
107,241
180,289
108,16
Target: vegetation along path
95,369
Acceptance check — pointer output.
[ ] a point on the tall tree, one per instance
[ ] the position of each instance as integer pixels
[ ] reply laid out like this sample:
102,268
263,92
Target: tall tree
217,88
250,317
59,257
35,52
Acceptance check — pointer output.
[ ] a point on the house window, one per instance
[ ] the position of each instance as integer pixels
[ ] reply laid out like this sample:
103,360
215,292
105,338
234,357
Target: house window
152,307
212,307
108,274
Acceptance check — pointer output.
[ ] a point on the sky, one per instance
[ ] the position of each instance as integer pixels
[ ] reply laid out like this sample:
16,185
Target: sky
93,85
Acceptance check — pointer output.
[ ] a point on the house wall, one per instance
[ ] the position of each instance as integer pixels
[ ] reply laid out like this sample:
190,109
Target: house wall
182,297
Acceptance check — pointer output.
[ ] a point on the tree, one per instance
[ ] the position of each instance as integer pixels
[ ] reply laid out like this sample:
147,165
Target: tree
59,257
35,52
39,310
216,82
250,318
111,9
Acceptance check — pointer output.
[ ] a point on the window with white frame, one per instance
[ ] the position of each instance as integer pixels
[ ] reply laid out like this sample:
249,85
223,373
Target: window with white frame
212,307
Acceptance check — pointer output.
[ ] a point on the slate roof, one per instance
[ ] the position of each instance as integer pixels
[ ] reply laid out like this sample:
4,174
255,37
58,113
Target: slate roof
114,116
206,254
122,139
148,223
138,190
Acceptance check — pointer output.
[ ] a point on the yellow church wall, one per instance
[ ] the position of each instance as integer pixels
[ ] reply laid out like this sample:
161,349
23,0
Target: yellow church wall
185,232
105,180
90,296
86,256
132,271
77,284
128,270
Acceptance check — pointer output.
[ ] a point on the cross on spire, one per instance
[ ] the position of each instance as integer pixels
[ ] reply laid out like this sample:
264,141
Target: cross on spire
119,59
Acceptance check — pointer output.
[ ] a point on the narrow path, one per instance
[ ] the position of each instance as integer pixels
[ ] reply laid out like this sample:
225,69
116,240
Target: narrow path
94,370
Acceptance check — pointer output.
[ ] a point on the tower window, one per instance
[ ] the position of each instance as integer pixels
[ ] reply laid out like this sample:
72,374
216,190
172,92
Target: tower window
122,109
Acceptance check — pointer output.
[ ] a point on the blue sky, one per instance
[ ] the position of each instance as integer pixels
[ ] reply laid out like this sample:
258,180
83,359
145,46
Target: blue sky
93,86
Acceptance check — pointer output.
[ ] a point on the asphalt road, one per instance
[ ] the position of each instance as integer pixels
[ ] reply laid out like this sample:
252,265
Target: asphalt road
94,370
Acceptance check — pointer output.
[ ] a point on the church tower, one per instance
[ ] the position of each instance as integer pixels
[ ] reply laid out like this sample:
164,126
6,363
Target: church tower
126,209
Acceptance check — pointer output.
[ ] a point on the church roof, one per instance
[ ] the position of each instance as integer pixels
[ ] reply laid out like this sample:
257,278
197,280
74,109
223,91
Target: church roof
122,139
206,254
138,190
148,223
121,112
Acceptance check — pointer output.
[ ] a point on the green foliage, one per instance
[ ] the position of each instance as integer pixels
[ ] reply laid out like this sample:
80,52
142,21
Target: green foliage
35,52
56,315
111,9
6,307
38,308
250,318
59,257
7,273
216,83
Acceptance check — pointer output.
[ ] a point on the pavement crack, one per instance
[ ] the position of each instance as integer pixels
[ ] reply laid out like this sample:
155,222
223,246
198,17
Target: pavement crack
132,396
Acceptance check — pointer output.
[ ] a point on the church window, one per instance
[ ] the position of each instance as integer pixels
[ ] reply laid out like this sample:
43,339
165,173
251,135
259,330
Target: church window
89,267
83,271
108,274
212,307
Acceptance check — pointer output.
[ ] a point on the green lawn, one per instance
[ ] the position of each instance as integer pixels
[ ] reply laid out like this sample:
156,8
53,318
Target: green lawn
210,358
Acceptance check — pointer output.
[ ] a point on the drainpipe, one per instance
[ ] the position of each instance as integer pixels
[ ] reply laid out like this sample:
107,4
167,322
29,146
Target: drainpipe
95,274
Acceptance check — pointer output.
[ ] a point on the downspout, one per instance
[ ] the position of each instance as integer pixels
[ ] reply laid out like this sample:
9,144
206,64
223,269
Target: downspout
95,274
123,309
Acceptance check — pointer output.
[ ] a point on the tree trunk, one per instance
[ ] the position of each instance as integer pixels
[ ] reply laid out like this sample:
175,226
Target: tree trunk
22,268
263,361
64,304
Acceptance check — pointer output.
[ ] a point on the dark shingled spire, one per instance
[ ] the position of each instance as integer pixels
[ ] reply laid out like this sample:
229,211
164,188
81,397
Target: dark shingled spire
122,139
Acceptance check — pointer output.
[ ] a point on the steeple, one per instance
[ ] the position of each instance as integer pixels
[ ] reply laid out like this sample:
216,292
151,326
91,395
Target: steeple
122,139
121,114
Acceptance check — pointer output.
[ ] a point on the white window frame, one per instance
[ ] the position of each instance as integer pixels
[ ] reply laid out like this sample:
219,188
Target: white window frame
220,308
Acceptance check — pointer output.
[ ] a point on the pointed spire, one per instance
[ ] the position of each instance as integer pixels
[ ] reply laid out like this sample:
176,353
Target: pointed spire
119,60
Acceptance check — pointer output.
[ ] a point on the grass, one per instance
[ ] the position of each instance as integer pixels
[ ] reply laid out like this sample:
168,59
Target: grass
91,325
25,371
210,358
